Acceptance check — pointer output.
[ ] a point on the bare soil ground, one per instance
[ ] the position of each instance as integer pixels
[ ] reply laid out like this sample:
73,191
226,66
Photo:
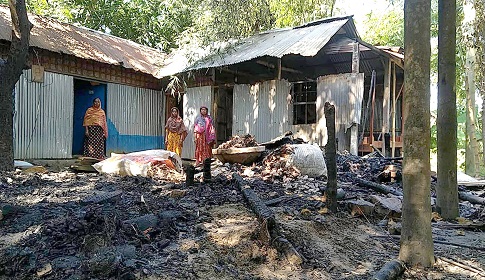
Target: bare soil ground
65,225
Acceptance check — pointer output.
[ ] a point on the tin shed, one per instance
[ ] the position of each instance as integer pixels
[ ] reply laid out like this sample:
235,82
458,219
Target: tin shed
279,80
68,67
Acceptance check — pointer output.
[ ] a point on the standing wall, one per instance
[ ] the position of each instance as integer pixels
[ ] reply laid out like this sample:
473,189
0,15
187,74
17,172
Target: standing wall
262,109
265,109
193,99
135,119
43,117
346,92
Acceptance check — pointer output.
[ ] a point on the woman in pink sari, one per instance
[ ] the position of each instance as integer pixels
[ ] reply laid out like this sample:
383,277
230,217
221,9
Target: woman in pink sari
204,136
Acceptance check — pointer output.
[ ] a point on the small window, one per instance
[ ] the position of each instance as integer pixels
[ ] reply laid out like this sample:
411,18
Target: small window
304,103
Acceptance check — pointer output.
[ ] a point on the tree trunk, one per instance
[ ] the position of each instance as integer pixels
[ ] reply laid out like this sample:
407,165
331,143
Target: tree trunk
330,158
479,29
471,153
447,188
471,144
10,72
416,240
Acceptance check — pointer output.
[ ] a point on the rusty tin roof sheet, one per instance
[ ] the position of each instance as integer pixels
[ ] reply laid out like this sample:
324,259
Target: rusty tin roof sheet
55,36
305,40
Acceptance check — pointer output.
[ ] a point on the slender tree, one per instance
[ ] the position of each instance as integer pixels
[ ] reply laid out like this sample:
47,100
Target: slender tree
472,150
447,188
480,42
416,238
10,71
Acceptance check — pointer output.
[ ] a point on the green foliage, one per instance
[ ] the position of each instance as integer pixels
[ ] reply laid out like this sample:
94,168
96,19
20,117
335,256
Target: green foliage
166,24
296,12
154,23
385,30
222,20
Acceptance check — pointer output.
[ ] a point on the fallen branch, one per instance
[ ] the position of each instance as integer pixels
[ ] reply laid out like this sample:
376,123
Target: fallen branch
390,271
475,199
266,217
377,187
460,245
278,200
475,226
470,268
398,237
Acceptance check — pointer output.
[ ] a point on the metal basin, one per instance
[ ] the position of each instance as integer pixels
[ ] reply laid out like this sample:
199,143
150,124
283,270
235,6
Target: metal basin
238,155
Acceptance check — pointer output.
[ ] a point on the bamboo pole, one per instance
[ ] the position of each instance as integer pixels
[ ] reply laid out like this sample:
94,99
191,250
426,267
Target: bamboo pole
393,143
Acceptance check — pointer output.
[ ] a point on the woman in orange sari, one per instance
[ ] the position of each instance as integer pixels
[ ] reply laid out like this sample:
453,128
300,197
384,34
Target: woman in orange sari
96,130
204,136
175,132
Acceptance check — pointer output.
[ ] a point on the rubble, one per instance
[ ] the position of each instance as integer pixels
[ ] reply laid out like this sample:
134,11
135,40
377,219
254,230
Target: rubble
239,142
66,225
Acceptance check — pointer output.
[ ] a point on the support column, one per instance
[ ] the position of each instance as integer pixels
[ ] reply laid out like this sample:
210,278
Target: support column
386,105
354,130
278,74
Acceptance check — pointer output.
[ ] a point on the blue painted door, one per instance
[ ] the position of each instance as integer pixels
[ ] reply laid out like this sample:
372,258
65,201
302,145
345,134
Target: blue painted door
84,94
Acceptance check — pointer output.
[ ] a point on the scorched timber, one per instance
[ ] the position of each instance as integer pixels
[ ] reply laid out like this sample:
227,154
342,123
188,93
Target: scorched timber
266,217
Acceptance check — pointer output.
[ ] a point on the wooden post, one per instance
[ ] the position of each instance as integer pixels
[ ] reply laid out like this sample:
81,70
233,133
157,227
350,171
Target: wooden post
207,170
189,175
386,102
393,142
354,130
367,107
372,113
330,158
278,75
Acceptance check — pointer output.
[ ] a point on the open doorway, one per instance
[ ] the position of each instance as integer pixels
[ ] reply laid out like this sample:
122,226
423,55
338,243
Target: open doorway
84,94
174,101
223,113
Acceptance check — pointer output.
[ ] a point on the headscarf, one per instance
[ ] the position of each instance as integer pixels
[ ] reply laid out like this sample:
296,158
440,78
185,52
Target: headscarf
96,116
175,125
204,124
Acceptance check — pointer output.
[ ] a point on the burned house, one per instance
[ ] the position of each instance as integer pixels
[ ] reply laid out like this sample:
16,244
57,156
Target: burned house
68,67
265,85
279,80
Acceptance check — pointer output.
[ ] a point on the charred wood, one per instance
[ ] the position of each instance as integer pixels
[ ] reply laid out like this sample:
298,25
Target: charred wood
475,199
267,218
391,270
377,187
331,158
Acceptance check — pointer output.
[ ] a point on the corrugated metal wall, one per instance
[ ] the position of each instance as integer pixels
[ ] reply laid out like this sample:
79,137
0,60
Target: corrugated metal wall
135,119
193,99
262,109
43,117
265,111
346,92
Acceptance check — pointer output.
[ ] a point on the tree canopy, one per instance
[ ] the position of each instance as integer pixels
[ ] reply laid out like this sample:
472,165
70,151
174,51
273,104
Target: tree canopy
167,24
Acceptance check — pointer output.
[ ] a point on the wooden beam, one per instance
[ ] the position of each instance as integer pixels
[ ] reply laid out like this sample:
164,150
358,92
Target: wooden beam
279,69
236,72
393,110
398,62
270,65
355,57
372,113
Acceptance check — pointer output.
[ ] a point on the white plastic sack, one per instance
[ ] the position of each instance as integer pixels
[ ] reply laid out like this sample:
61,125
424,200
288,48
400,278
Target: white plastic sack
138,163
308,159
22,164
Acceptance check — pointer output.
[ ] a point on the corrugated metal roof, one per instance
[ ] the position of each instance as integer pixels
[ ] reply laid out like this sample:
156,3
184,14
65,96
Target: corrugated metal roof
55,36
304,40
397,52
